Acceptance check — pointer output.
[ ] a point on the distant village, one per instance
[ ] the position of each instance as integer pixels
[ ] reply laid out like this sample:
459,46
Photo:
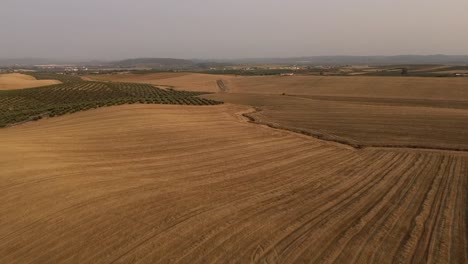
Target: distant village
270,69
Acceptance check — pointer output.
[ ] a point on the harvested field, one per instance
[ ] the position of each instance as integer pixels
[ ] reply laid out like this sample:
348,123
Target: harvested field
361,111
13,81
354,86
181,81
196,184
379,122
349,86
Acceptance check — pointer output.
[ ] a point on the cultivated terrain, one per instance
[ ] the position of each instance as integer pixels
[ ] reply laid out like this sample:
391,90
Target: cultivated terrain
361,111
292,169
20,81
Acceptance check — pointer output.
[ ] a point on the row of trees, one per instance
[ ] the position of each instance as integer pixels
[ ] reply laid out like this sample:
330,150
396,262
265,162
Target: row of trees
35,103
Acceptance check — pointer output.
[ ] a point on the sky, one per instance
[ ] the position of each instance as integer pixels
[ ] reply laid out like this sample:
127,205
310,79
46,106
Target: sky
210,29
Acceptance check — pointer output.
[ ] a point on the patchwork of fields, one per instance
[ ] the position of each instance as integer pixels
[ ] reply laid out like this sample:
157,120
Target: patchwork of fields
363,122
362,111
182,81
35,103
356,86
150,182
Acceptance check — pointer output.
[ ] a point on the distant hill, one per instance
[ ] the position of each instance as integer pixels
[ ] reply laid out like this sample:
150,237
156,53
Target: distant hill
168,63
155,63
183,64
30,62
362,60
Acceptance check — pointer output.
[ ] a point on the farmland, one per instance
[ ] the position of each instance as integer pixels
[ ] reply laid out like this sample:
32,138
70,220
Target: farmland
182,81
361,111
198,184
356,86
351,86
300,169
35,103
21,81
358,111
363,122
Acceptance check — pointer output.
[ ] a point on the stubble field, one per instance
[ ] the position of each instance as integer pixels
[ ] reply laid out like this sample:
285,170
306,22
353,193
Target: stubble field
365,111
20,81
195,184
363,122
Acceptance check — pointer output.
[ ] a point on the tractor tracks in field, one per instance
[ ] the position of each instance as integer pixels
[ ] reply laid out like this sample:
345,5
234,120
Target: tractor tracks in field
222,86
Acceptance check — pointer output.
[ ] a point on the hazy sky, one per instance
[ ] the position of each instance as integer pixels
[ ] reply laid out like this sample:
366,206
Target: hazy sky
114,29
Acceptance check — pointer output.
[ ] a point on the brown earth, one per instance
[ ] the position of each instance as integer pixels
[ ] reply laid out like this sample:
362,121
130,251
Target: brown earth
159,184
13,81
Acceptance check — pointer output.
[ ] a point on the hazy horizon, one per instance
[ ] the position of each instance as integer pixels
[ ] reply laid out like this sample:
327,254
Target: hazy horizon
209,29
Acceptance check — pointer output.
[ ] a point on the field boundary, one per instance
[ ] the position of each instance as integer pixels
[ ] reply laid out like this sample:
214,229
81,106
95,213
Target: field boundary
398,102
339,140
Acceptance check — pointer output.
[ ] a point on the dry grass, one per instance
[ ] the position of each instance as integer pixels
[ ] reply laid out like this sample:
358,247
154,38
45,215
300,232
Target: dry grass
13,81
147,184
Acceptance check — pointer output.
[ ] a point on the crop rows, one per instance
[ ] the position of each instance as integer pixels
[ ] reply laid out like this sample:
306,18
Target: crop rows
32,104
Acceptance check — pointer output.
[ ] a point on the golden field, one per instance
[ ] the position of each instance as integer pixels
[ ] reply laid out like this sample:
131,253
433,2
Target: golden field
20,81
188,184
